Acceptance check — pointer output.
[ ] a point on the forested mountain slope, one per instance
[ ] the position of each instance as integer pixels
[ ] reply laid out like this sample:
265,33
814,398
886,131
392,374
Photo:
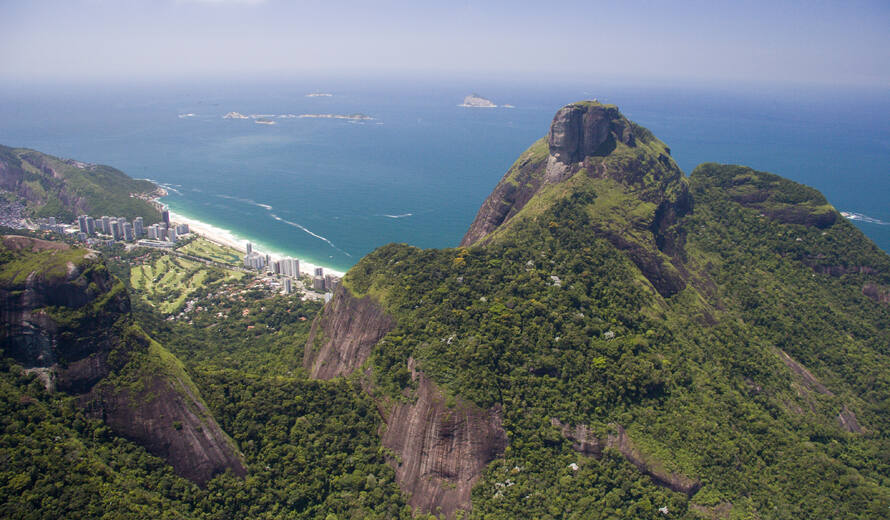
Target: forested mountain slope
614,338
65,188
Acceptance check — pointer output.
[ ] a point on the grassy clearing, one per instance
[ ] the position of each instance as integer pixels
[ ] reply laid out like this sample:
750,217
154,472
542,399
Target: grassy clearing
170,281
203,248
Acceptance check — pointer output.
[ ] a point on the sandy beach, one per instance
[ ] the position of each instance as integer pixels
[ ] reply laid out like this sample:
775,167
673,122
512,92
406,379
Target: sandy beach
227,238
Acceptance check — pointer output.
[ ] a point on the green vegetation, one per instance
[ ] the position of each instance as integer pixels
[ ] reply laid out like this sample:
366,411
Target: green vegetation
60,188
167,281
203,248
552,321
311,448
762,376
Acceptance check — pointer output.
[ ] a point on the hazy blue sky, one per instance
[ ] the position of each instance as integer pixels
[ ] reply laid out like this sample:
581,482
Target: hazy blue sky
843,42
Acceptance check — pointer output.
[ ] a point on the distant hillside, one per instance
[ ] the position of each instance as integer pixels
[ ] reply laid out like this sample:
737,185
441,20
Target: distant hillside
65,188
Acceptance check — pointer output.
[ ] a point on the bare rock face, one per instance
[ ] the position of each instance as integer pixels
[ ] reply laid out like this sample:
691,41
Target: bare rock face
876,292
66,319
442,450
580,130
343,335
586,442
163,413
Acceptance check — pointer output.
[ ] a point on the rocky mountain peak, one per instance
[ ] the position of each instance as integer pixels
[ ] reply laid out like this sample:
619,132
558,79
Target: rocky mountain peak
586,128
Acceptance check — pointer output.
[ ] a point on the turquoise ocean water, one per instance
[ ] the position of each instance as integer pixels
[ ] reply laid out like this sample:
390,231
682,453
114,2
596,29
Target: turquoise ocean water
331,190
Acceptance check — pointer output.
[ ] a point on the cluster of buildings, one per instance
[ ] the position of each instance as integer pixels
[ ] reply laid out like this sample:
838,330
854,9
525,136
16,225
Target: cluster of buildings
289,268
50,224
119,229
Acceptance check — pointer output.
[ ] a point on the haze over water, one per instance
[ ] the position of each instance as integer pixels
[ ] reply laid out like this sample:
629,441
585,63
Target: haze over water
332,190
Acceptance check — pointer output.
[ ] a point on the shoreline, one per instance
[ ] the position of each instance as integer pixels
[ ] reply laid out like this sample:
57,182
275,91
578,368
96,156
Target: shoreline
226,238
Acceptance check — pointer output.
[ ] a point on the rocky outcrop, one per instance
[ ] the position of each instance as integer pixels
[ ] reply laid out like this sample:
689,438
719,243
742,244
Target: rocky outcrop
162,410
68,320
441,449
343,335
516,188
586,442
804,376
578,131
597,139
582,130
876,292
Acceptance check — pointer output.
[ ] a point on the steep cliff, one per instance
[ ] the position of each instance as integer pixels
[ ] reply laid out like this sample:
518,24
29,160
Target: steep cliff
342,337
441,448
586,442
68,320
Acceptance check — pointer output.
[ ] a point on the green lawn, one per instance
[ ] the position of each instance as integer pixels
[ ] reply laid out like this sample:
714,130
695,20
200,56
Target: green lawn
169,281
203,248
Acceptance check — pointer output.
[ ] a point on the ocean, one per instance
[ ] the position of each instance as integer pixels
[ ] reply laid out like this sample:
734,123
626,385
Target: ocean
331,190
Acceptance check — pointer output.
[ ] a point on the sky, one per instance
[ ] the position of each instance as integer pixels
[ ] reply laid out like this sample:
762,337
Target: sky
772,41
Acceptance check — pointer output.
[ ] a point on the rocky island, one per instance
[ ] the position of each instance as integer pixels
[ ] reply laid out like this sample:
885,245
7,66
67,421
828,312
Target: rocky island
477,101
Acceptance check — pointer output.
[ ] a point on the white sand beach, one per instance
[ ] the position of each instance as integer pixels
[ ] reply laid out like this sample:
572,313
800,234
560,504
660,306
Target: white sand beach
227,238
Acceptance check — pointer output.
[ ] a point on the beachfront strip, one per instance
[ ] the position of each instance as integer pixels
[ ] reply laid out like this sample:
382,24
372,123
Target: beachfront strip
105,231
290,268
118,229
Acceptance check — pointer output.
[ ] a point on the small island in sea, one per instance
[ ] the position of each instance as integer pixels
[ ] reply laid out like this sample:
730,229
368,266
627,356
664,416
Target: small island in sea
267,119
235,115
353,117
477,101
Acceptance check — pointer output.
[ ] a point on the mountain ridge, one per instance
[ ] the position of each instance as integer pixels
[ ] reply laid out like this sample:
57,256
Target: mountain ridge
597,268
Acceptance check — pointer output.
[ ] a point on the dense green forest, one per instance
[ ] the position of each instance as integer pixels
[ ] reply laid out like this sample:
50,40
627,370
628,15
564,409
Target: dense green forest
725,348
553,322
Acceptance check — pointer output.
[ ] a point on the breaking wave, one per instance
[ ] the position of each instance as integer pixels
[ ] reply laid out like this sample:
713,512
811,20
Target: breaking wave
303,228
850,215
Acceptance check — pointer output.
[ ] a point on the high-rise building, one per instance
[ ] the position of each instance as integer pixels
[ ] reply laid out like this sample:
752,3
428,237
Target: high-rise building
91,226
319,271
318,283
116,231
106,224
254,260
288,286
82,223
275,267
182,229
249,248
290,267
138,227
165,216
171,235
128,232
81,236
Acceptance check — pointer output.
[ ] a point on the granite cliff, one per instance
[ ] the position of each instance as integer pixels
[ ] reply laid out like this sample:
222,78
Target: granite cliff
68,320
440,450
